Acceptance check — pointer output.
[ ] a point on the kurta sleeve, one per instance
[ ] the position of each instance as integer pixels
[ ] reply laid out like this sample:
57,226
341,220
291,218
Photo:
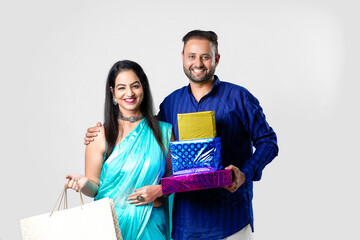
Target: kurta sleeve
262,135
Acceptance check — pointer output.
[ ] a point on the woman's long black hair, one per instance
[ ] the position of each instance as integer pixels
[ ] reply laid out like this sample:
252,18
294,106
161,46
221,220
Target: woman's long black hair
111,111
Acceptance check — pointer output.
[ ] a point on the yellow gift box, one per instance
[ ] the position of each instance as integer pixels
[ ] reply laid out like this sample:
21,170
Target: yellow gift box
196,125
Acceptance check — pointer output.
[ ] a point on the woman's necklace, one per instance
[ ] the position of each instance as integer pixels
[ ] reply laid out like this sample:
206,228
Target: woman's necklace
131,119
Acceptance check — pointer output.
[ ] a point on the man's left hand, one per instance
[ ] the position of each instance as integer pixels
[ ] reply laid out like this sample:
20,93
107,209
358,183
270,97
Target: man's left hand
238,179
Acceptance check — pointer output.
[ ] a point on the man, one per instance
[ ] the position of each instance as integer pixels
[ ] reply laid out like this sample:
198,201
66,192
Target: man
221,213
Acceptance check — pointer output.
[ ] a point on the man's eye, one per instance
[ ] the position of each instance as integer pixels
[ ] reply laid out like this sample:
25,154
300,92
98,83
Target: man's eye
206,57
191,57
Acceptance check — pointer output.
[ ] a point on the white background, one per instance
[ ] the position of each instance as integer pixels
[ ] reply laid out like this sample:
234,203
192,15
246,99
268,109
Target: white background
300,58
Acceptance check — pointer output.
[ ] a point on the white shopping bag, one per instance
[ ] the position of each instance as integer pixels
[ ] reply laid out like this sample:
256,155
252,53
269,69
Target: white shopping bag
92,221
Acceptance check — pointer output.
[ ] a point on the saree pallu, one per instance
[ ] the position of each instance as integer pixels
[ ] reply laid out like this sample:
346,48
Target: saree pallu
136,162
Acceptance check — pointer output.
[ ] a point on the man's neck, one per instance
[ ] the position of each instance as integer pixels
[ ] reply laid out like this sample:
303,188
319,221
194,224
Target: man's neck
201,89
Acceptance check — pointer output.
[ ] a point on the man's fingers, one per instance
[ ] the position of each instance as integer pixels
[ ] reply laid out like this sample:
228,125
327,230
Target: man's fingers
90,135
231,189
93,130
87,141
230,167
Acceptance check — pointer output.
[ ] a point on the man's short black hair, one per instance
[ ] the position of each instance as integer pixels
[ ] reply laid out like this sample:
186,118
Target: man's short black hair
199,34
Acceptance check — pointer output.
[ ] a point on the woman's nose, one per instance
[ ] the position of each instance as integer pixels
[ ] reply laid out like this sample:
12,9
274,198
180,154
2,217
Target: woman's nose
129,92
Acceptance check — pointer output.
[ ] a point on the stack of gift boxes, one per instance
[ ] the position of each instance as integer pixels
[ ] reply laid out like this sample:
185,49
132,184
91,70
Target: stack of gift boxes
196,157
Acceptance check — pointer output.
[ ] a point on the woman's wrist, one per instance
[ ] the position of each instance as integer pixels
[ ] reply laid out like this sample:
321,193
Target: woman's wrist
160,192
90,188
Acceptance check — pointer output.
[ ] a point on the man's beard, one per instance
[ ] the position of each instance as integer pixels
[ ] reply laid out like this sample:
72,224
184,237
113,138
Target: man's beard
207,77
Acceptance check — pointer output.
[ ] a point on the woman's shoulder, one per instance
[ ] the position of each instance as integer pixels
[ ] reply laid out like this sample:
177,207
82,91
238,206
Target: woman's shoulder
165,125
99,142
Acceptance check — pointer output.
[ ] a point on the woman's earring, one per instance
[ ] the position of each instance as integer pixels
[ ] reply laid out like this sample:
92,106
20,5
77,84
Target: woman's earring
114,101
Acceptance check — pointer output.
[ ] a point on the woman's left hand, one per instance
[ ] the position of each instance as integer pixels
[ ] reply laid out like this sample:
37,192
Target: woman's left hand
145,195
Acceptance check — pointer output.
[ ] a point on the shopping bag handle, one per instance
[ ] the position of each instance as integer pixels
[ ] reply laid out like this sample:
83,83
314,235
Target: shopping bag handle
63,196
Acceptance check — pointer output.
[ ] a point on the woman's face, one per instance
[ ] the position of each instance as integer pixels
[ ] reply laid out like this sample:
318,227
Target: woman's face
128,93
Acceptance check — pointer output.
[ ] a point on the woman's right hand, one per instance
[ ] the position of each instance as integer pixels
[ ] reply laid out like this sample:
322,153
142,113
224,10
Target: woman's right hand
91,133
76,181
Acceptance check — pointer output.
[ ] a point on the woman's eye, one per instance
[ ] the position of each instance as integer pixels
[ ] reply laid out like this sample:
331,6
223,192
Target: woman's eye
136,86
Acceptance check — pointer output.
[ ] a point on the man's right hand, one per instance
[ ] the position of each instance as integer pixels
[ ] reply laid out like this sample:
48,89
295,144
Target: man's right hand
91,133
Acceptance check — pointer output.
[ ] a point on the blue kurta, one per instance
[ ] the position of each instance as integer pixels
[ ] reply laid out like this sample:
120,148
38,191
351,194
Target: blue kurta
136,162
241,124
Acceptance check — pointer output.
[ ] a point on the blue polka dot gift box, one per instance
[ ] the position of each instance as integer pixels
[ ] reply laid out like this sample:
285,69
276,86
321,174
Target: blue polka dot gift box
196,156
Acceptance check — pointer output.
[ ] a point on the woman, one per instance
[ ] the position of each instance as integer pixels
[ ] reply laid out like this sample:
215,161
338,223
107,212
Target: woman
130,155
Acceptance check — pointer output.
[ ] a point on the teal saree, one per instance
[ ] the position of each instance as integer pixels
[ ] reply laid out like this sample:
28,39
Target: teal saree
136,162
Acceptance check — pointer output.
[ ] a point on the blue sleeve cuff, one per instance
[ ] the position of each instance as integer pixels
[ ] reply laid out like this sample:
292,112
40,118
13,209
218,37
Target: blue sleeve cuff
262,156
248,172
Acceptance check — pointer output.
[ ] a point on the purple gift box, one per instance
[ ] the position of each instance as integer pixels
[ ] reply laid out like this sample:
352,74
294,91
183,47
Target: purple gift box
192,182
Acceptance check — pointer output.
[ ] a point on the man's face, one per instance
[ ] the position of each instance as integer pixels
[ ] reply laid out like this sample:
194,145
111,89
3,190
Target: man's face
199,60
